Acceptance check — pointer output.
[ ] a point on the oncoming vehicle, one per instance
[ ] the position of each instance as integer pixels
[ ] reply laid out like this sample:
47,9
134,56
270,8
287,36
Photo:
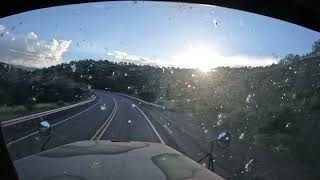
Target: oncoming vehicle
159,90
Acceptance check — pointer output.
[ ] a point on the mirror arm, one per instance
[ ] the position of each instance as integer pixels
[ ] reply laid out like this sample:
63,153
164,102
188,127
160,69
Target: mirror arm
45,143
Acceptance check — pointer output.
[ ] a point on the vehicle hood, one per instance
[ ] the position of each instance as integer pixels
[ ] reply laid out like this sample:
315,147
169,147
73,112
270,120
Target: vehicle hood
96,160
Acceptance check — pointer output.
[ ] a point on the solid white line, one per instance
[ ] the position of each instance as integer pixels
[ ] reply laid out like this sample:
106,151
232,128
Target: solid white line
154,129
76,114
107,120
17,140
12,142
33,116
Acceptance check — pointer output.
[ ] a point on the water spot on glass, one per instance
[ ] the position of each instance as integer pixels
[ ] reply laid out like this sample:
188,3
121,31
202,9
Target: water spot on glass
73,67
103,107
215,23
286,80
133,105
247,166
125,74
248,98
89,86
90,77
241,136
288,124
95,164
242,23
129,121
113,73
34,99
205,131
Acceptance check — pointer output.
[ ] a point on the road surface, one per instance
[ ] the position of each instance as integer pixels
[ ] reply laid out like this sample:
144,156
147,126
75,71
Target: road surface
121,118
111,117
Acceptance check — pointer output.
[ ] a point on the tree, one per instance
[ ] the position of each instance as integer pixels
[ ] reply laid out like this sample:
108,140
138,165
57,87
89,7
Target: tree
316,47
289,59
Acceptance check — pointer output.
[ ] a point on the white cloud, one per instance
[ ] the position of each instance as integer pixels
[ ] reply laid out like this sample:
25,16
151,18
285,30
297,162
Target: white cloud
200,58
121,56
206,59
30,50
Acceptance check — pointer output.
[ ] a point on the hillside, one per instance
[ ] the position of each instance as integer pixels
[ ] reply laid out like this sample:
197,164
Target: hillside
276,107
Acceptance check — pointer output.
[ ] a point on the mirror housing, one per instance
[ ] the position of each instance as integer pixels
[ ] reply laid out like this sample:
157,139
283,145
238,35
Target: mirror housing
223,140
44,128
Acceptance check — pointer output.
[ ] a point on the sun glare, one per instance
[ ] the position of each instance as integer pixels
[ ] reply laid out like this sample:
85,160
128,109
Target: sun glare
205,59
200,58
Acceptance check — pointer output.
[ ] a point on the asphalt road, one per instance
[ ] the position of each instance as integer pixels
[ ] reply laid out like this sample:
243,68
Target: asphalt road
120,118
112,117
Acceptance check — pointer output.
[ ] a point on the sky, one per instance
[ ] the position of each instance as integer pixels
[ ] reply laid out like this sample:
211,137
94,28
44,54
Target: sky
157,33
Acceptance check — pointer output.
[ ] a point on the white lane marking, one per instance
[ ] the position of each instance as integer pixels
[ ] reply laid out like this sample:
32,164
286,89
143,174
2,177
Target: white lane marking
108,120
12,142
154,129
24,137
76,114
40,114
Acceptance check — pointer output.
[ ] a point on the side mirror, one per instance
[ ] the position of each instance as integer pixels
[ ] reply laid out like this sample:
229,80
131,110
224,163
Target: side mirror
44,128
223,140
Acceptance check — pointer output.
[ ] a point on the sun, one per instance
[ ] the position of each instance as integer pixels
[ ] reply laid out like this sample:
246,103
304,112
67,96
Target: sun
197,57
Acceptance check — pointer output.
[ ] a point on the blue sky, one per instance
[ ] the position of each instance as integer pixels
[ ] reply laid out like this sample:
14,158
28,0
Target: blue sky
182,35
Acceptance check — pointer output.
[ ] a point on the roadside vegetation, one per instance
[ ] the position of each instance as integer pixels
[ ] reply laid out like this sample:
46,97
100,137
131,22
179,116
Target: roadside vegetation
276,108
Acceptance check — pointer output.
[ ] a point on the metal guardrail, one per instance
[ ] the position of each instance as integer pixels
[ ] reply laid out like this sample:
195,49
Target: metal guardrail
145,102
37,115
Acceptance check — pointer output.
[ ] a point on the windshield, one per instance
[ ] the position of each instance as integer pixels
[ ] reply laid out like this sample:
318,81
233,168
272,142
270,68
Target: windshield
187,76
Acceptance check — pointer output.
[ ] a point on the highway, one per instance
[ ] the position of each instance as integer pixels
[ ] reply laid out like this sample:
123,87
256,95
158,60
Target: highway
123,118
111,117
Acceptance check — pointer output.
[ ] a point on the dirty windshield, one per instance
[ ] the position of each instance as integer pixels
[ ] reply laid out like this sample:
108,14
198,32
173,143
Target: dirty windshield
186,76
